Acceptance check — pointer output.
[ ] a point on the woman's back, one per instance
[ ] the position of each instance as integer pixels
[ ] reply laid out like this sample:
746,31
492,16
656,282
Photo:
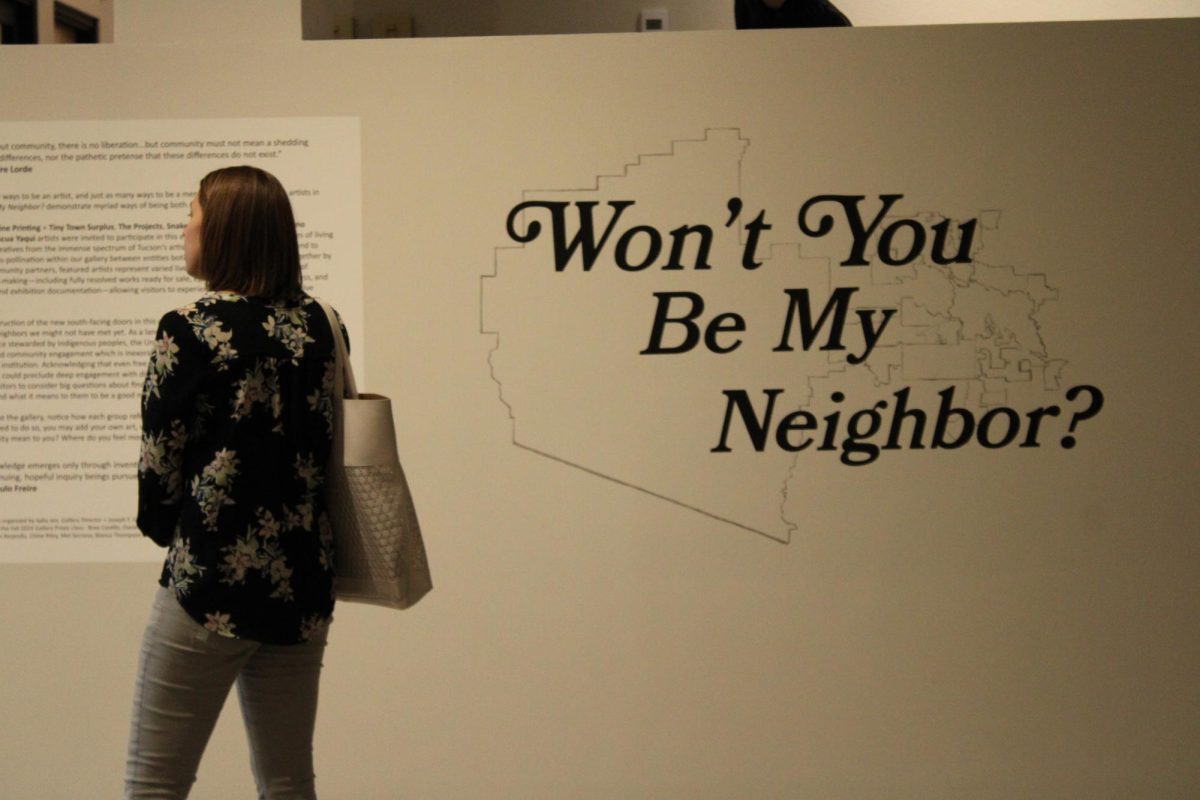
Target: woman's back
237,426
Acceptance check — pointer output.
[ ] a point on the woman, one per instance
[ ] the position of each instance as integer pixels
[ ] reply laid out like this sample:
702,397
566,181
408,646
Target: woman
236,430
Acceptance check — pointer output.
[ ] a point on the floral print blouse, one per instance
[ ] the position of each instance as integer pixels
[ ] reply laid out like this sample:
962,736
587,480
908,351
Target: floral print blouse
237,421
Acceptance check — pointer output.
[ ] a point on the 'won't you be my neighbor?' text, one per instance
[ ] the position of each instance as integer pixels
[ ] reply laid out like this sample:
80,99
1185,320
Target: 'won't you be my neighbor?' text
682,322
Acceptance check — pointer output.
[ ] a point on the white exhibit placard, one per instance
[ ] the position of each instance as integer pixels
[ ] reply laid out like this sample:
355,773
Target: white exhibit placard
91,255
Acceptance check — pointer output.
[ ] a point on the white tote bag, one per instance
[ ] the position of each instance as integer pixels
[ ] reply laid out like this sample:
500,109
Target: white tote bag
379,555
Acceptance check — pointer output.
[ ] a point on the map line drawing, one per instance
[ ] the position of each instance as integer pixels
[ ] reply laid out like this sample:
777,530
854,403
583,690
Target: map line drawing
944,312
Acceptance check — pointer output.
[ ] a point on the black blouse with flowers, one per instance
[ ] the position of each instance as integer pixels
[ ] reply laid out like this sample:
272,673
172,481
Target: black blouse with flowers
237,421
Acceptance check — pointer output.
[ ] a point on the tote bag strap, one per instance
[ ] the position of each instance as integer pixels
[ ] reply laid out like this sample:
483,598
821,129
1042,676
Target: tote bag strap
343,385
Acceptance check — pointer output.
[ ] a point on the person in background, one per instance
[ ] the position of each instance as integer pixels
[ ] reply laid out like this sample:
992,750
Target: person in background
788,14
237,427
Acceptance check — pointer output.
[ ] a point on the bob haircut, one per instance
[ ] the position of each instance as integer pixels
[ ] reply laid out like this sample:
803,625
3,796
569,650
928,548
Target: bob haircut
248,234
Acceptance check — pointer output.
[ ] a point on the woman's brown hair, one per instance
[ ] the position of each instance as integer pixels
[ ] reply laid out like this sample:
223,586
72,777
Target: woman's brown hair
248,234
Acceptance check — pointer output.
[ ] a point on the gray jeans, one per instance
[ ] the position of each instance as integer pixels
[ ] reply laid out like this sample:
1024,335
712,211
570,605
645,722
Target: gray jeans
184,675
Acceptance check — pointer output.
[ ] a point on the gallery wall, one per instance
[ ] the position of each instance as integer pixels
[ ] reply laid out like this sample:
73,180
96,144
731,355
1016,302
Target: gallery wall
47,26
521,17
643,588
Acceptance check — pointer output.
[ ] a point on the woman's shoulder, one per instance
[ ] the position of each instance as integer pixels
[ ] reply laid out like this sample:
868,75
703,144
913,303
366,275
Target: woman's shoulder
211,318
208,304
316,307
233,311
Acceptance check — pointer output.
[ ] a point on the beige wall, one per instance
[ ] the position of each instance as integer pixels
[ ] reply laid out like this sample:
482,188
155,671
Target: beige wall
986,624
939,12
212,21
102,10
512,17
515,17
